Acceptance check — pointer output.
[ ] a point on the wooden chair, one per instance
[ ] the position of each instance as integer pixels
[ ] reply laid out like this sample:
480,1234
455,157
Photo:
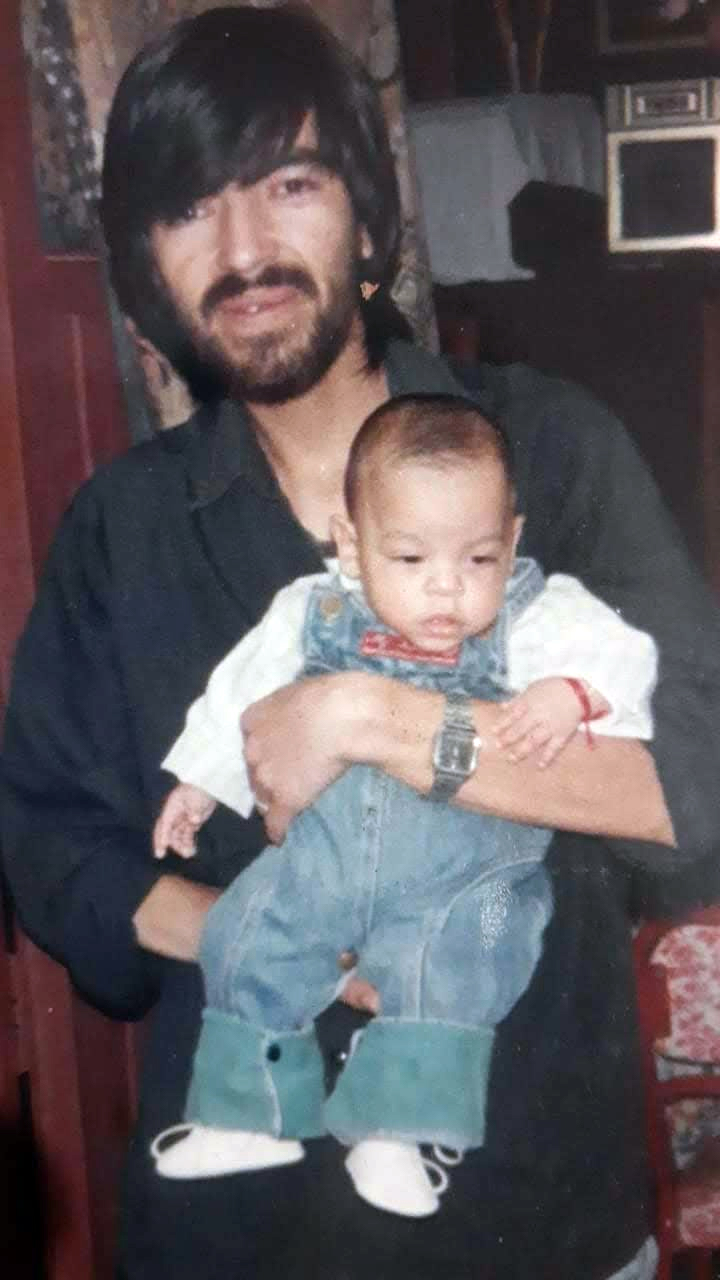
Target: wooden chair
677,966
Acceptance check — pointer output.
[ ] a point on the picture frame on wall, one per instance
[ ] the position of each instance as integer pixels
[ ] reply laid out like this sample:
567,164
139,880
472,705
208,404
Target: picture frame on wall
637,26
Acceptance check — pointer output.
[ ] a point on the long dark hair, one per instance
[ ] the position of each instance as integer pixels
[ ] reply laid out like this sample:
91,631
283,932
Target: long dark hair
221,97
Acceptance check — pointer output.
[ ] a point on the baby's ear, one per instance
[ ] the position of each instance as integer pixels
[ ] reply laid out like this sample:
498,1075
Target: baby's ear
345,539
518,523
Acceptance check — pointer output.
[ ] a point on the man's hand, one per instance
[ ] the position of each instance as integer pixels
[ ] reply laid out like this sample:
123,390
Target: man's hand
303,737
295,745
361,995
357,992
170,920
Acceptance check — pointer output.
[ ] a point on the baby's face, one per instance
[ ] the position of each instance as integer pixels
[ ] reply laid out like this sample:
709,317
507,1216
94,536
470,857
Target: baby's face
434,546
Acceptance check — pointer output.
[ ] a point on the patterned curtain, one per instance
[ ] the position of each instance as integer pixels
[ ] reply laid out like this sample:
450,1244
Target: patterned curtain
77,50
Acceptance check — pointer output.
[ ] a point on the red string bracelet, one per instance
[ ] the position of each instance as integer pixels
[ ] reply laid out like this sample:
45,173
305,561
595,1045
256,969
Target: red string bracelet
588,714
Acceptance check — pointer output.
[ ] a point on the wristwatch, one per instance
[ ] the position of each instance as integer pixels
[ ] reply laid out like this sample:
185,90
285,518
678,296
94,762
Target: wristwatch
455,748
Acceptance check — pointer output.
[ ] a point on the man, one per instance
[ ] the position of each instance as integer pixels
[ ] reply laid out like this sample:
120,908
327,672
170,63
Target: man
248,192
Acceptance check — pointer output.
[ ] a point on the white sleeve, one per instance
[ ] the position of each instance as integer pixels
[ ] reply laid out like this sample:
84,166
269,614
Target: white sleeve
209,751
567,631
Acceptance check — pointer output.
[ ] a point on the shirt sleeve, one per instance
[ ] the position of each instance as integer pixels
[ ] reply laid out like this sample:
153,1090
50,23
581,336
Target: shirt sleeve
567,631
209,751
75,835
593,510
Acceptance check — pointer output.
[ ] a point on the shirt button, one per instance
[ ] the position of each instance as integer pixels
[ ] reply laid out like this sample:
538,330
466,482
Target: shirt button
330,607
274,1052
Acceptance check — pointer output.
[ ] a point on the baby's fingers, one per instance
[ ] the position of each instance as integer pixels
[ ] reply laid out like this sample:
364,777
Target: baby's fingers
533,739
175,833
512,727
510,713
161,838
552,749
183,838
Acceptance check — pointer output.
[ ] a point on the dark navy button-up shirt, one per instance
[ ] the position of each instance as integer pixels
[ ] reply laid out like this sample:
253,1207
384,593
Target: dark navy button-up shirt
165,558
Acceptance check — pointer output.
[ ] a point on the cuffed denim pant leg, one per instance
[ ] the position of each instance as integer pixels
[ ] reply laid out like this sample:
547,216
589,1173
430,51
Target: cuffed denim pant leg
446,911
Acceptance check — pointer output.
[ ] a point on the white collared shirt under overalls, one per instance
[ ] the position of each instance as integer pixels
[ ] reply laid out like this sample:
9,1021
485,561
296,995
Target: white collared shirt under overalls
445,907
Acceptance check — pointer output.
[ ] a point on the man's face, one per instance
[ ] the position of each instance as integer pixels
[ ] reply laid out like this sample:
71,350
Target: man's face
433,546
264,278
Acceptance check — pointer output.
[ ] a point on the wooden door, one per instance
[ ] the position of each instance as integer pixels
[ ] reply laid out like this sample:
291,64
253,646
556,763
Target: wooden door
66,1073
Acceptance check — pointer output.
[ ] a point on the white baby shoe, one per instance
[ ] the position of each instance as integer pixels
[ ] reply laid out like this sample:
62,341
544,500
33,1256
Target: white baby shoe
394,1176
209,1153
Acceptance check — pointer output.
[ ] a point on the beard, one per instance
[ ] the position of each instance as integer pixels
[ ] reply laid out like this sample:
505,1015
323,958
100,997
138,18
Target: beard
271,368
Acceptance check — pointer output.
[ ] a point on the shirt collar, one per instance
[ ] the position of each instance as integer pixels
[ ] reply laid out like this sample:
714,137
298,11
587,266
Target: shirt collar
220,445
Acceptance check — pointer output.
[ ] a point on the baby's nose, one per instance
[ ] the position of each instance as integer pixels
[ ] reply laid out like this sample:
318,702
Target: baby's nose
446,582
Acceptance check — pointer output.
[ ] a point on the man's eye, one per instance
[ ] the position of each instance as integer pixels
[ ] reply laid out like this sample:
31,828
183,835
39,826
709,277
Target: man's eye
295,186
193,213
297,180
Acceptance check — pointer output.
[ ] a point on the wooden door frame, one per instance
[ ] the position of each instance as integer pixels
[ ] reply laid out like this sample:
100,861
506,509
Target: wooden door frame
67,1075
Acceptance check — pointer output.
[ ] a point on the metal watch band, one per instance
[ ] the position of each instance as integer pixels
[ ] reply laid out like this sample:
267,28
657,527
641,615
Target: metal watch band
456,747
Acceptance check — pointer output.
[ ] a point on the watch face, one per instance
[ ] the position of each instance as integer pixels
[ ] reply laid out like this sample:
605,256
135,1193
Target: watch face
456,753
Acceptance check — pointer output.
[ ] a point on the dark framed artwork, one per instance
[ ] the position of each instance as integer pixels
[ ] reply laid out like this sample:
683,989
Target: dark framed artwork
636,26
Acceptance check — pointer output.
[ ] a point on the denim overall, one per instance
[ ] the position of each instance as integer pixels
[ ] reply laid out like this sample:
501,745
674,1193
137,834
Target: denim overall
445,908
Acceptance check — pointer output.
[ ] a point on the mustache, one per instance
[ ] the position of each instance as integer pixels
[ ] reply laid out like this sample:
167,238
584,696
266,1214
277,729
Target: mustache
233,285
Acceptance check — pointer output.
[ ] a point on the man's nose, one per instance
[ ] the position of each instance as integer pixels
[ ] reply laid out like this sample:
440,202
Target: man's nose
245,237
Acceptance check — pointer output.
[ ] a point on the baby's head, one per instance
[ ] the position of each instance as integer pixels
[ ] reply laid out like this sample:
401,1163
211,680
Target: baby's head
431,528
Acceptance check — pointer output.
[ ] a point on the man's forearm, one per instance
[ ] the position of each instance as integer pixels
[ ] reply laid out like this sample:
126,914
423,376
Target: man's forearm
611,790
170,920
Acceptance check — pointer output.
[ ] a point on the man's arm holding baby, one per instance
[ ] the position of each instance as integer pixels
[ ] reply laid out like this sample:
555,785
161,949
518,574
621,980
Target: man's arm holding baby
334,721
536,728
573,659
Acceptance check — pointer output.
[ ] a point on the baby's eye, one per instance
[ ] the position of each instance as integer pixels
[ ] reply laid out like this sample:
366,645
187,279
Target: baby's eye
483,560
408,559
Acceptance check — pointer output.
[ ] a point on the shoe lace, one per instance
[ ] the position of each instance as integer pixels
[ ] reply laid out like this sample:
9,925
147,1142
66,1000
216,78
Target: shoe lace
444,1156
448,1155
161,1142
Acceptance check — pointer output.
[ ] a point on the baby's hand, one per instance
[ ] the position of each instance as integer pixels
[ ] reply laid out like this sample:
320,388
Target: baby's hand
184,812
544,719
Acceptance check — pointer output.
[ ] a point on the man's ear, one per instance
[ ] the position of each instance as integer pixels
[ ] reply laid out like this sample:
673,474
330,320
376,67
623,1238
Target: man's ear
345,538
365,244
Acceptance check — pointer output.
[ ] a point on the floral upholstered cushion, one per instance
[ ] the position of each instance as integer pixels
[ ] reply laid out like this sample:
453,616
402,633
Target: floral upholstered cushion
691,957
698,1217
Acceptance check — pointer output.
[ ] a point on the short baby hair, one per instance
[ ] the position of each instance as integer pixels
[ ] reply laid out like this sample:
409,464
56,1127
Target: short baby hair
442,429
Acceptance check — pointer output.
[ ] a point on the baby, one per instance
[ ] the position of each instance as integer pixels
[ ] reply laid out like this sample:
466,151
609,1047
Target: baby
444,907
